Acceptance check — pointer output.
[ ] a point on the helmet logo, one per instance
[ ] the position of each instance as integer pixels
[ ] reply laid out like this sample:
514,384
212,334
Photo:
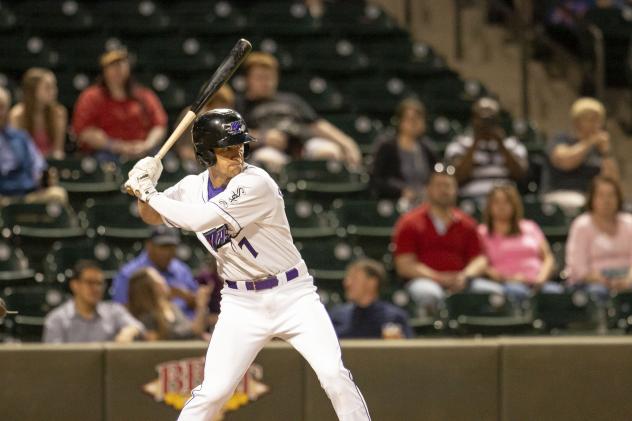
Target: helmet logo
234,127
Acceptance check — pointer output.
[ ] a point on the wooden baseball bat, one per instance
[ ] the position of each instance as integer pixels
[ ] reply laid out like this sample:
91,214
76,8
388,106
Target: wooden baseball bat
210,88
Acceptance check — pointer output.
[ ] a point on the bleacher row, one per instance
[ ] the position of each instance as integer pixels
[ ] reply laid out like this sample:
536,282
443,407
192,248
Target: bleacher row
353,65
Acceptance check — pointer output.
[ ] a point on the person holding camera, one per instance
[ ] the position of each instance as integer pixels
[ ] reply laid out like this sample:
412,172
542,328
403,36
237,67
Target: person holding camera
487,156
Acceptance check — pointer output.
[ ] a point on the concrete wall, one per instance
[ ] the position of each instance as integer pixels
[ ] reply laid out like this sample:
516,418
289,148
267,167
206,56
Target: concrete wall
490,379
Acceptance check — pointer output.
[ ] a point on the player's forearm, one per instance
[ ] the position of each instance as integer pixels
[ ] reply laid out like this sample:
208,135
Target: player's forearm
192,217
148,214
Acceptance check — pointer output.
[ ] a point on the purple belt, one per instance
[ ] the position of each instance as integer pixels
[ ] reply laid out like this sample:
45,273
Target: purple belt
266,283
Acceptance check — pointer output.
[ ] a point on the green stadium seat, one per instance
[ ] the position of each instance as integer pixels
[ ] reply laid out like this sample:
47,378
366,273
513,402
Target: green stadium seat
359,127
9,21
327,260
47,17
404,57
322,180
308,220
574,310
41,221
329,55
173,54
81,54
358,18
377,95
550,217
172,96
32,303
208,18
367,218
19,52
115,220
14,266
620,311
485,314
283,18
86,175
133,18
63,256
319,93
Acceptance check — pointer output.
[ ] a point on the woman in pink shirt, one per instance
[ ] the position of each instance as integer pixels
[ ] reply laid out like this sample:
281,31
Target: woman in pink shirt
518,254
599,246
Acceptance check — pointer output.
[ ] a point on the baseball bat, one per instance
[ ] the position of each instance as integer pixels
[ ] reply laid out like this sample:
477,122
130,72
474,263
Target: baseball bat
210,88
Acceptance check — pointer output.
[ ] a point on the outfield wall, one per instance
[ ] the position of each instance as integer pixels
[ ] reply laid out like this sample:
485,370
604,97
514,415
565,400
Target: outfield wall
440,379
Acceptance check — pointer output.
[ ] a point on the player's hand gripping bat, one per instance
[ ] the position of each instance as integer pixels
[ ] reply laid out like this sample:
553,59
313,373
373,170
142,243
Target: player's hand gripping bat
222,74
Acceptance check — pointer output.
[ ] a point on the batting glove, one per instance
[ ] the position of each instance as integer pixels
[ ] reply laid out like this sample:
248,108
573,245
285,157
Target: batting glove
151,165
141,185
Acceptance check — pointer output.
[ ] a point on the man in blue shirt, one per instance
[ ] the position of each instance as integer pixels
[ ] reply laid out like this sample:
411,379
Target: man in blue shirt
365,315
159,253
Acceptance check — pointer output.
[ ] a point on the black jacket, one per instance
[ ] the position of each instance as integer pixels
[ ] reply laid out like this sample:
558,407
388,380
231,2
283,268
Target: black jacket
387,180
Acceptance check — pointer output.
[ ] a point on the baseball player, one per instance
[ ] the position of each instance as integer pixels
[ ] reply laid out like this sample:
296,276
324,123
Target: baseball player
237,212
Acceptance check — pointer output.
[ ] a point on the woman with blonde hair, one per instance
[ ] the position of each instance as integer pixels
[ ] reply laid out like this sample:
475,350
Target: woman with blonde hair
518,254
576,158
39,112
149,303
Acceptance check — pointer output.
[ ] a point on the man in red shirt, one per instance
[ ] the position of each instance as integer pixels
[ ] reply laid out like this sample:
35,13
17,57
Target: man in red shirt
437,248
115,117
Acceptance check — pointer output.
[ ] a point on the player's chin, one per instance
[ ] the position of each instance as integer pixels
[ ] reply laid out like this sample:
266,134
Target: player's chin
235,168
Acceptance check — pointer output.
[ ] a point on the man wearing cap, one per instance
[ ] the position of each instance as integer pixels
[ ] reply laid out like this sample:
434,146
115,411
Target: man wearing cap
116,117
159,253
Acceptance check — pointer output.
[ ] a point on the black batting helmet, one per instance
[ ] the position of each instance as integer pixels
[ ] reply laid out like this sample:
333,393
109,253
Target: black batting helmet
218,128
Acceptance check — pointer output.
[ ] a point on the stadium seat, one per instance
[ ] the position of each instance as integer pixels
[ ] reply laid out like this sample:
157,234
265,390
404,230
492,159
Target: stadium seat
620,311
367,218
485,313
86,175
14,266
378,95
32,304
81,54
208,18
45,17
329,55
19,52
359,18
132,18
564,311
172,96
403,57
9,21
318,92
115,220
283,18
549,217
41,221
327,260
65,254
360,128
175,54
322,180
308,220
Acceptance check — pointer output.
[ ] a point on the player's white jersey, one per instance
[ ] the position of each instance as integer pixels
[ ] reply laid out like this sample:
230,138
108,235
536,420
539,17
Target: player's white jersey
255,241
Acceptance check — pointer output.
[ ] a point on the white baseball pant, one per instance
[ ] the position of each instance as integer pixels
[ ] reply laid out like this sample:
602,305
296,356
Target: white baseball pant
248,320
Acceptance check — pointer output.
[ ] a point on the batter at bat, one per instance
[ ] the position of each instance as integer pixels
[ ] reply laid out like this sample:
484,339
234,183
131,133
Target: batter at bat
237,212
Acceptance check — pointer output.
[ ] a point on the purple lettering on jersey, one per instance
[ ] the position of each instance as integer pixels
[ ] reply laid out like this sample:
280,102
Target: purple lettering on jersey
218,237
244,242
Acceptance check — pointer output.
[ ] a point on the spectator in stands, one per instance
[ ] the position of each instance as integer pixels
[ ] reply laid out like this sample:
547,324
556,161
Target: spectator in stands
116,117
404,158
437,248
224,98
365,315
22,167
85,317
576,157
149,302
486,156
284,123
207,276
160,251
599,246
518,254
40,114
